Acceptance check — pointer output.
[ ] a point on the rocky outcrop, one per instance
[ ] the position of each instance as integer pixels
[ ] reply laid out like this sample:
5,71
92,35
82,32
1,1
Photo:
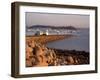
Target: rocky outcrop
38,54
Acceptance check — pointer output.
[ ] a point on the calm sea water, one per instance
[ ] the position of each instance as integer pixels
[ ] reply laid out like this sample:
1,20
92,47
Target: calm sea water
81,42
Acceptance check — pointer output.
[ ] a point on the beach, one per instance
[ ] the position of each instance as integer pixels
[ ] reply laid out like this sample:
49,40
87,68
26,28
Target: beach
38,54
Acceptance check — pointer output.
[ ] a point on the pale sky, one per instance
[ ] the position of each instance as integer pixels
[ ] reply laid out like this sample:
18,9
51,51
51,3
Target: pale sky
79,21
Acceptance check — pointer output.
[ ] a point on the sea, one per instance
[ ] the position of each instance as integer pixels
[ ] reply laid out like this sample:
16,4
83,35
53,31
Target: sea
79,42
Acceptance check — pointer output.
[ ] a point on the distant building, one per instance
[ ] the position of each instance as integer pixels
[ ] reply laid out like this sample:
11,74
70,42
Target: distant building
42,32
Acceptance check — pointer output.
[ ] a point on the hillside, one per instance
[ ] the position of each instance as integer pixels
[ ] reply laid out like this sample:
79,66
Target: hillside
52,27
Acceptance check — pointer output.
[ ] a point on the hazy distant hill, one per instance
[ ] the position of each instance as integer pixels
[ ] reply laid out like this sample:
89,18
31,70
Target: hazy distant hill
52,27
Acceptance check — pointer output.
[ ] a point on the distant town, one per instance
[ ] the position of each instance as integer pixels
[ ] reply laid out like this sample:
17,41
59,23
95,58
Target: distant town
50,30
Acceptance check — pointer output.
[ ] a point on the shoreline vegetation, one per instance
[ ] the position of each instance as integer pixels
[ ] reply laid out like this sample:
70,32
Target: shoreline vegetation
37,54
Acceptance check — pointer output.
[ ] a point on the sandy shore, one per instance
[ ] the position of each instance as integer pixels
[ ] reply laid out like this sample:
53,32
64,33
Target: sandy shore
37,54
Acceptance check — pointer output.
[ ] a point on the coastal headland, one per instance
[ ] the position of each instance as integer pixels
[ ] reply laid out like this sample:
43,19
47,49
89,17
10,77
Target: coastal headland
37,54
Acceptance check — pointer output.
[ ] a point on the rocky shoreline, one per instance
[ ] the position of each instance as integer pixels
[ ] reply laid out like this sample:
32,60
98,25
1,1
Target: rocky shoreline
37,54
45,39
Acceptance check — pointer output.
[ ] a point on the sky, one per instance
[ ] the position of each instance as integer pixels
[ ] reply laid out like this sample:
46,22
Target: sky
76,20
